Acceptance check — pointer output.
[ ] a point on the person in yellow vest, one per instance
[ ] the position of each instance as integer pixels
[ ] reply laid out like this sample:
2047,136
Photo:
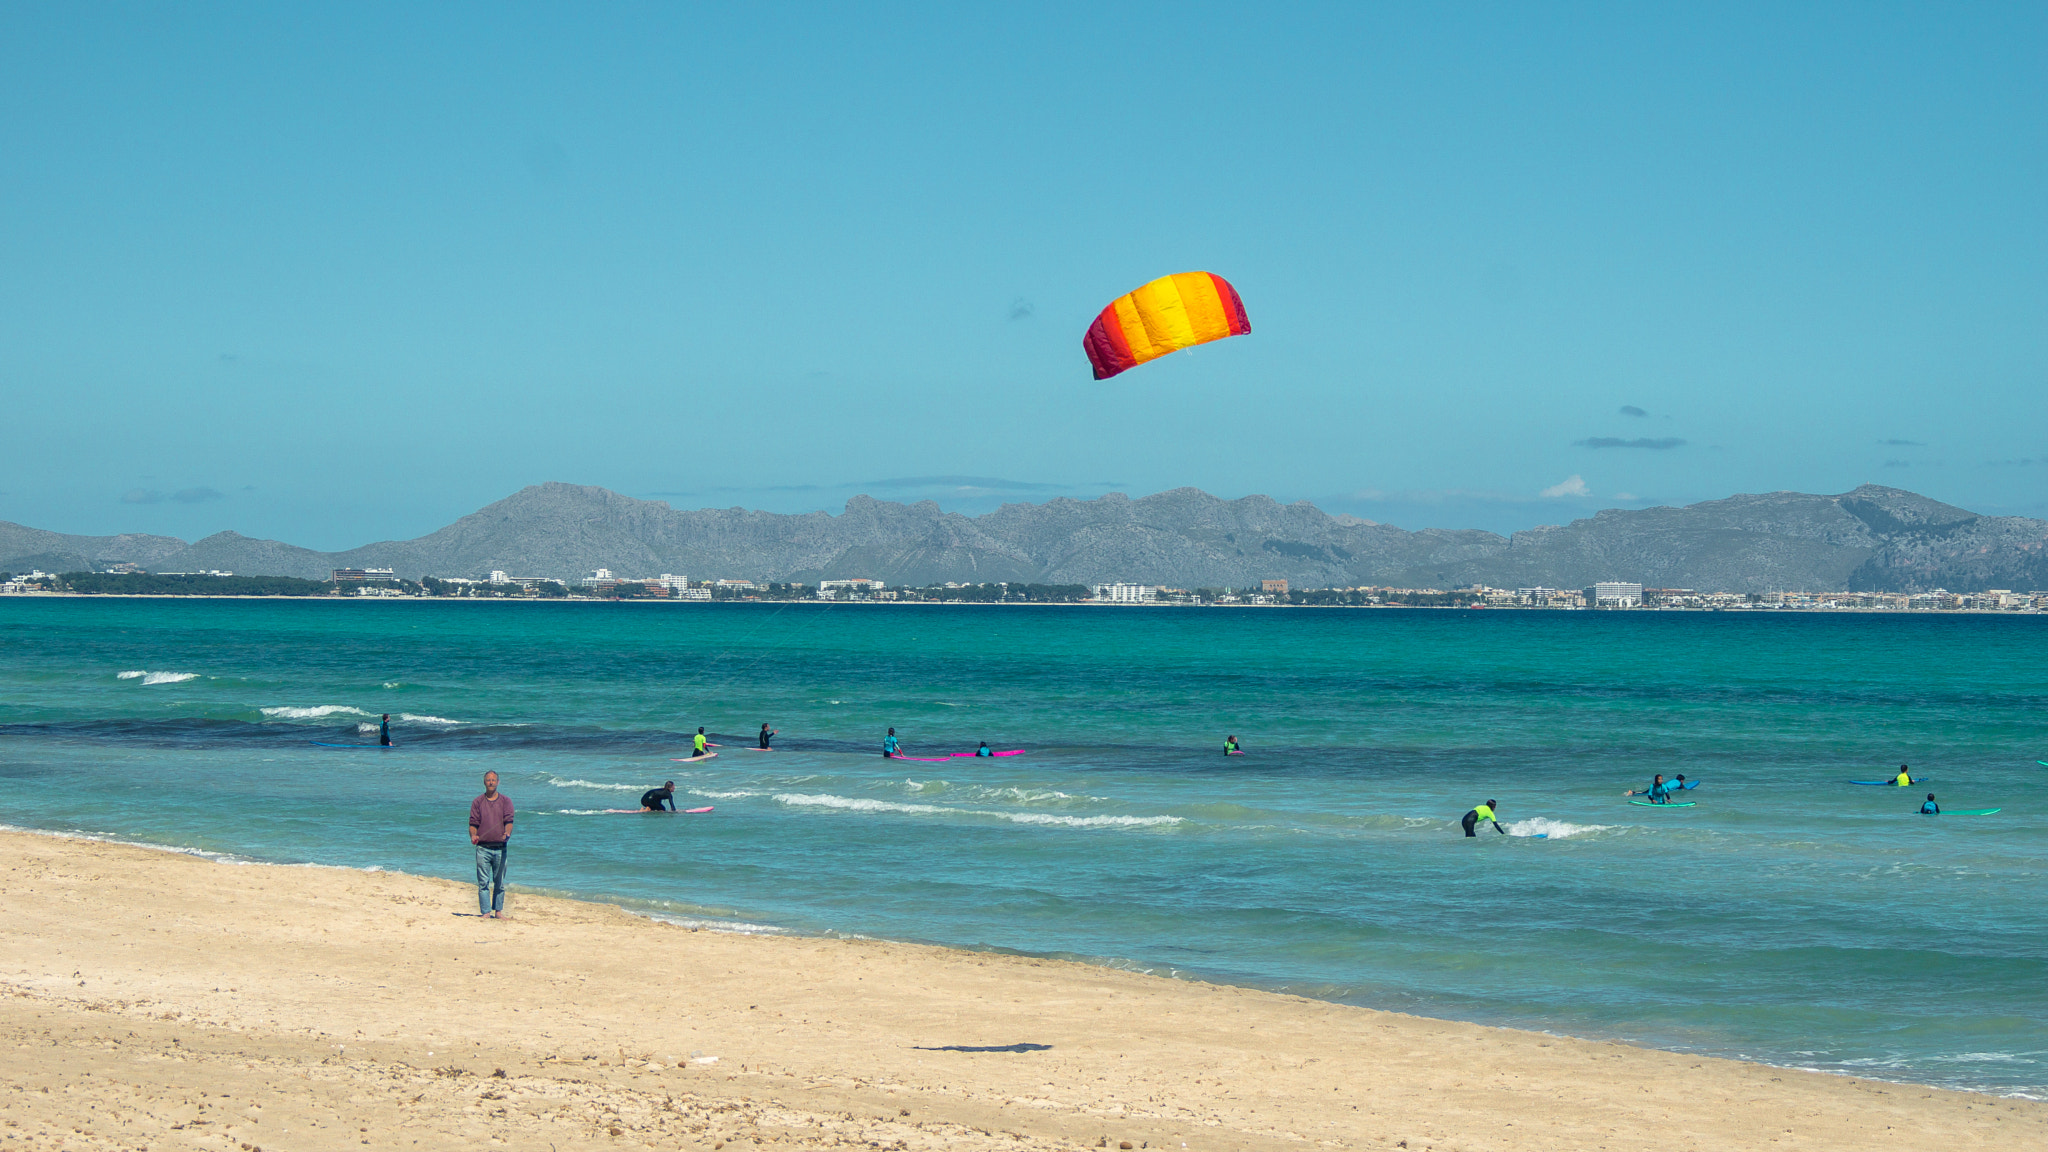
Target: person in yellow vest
1905,779
700,746
1480,815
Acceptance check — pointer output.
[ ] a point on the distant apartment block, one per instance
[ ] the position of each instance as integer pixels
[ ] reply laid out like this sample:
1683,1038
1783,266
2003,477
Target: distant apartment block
1126,593
362,576
1614,594
857,584
1279,586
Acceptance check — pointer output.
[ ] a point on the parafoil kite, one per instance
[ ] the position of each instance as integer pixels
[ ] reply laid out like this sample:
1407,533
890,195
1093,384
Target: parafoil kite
1167,315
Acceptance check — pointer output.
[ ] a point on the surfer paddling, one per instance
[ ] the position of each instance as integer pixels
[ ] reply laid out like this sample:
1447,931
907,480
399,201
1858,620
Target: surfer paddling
662,799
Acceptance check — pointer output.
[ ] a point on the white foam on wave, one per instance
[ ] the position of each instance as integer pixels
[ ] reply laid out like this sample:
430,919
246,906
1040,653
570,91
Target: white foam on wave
737,927
863,804
560,783
583,811
157,677
1551,829
317,712
722,795
412,719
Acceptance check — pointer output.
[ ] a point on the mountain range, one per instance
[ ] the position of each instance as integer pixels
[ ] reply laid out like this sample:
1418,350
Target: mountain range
1871,539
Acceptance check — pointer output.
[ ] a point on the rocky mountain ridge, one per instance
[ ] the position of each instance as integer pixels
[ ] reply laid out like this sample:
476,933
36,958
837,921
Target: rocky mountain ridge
1871,539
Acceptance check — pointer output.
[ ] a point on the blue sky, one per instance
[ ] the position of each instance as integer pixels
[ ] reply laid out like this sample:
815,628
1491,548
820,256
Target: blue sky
346,274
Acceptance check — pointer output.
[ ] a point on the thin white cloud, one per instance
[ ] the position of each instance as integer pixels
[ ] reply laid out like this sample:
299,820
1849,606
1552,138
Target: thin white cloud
1573,485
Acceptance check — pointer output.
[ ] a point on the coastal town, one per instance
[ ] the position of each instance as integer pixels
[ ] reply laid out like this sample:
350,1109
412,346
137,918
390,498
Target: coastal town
605,584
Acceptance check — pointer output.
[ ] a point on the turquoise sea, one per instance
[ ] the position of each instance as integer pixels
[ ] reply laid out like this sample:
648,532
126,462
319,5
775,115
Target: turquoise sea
1789,917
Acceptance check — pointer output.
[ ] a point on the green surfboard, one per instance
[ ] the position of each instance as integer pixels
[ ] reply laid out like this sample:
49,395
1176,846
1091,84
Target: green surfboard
1673,804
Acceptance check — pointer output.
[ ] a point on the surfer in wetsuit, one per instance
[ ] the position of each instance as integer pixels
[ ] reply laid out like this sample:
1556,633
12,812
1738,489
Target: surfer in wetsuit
983,750
700,746
1679,785
1230,747
1659,792
1482,813
767,734
1930,808
662,799
890,746
384,731
1905,779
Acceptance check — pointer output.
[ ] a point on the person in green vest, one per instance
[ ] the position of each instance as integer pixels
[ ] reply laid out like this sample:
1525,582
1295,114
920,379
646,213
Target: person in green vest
1905,779
1482,814
1230,747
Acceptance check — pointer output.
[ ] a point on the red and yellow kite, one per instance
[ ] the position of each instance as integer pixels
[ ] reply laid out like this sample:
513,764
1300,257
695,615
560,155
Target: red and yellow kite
1167,315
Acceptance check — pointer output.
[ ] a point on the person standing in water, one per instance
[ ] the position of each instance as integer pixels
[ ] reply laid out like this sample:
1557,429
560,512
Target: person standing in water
1230,747
767,734
1483,813
1905,779
490,830
700,746
662,799
384,731
1658,791
890,746
1930,808
983,750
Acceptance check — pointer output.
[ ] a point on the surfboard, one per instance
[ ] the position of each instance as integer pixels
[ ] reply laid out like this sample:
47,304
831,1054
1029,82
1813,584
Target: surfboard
645,812
325,744
1673,804
1888,783
1965,812
694,759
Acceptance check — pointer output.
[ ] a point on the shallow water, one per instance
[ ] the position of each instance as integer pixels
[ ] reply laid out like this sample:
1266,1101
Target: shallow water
1788,917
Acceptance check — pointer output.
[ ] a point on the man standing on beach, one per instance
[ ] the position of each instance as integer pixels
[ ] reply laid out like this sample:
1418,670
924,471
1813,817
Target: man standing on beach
490,826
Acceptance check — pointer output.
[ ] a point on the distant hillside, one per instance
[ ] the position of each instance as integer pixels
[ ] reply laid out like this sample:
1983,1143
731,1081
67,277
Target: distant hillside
1871,539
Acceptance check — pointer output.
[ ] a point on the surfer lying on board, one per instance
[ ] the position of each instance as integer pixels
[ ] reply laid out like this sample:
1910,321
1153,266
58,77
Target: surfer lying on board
1930,808
768,734
1230,747
662,799
1482,813
1659,792
890,746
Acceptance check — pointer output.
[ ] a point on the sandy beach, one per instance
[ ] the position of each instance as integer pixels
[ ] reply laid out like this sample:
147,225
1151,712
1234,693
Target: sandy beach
161,1000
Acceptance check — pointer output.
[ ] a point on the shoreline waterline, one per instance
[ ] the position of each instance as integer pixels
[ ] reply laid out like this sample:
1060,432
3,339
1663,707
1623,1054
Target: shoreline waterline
367,979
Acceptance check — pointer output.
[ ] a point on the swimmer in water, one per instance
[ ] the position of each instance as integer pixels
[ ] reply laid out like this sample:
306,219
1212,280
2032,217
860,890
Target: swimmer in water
1230,747
1659,792
1482,814
662,799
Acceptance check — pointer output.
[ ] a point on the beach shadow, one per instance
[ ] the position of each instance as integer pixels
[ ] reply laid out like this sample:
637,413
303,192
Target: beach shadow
985,1048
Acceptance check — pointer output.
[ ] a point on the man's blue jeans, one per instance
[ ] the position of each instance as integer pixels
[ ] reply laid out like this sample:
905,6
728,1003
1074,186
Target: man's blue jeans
490,879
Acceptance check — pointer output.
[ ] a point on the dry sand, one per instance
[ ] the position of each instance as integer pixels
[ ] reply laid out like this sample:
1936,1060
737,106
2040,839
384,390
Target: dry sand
162,1001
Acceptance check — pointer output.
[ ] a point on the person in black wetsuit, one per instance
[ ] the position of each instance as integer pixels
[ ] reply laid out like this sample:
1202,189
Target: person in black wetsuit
384,731
662,799
767,734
